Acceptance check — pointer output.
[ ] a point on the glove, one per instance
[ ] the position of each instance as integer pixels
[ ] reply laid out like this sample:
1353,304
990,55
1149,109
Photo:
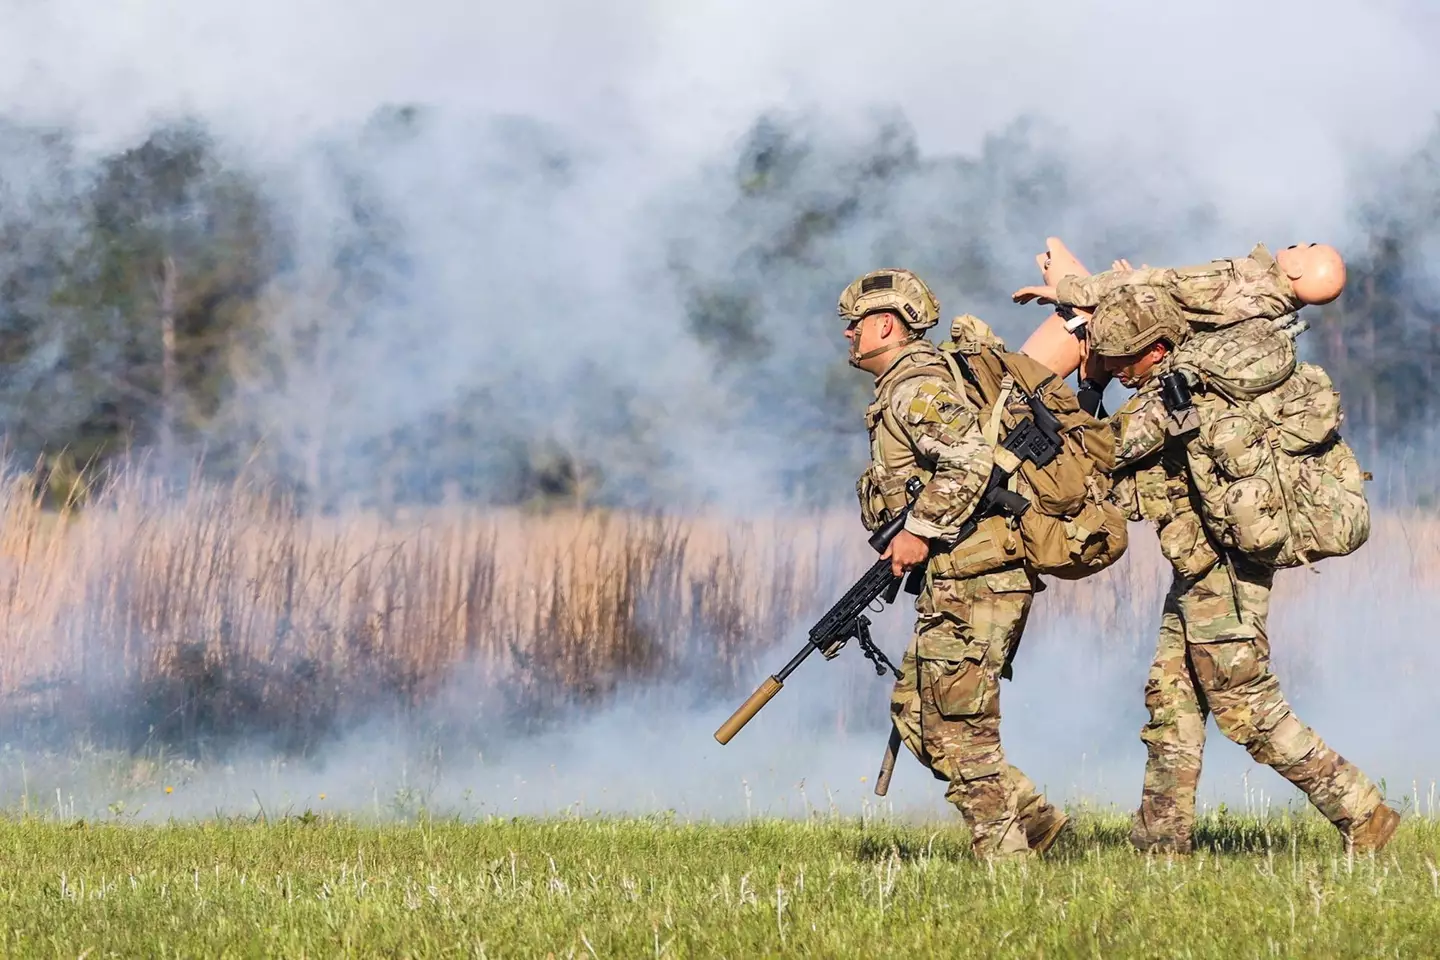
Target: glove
832,650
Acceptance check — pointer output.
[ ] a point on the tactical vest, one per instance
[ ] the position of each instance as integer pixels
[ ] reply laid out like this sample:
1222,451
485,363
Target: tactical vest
1157,474
1273,477
1071,530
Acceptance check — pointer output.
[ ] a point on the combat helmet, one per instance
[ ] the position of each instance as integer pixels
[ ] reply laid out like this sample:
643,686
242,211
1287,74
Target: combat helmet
1132,317
891,289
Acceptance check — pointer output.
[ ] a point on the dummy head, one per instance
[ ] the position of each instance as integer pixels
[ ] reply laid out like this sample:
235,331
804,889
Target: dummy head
1316,271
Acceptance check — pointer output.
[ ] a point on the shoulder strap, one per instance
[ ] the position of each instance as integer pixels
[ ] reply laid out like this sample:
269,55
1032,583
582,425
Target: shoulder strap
959,377
991,429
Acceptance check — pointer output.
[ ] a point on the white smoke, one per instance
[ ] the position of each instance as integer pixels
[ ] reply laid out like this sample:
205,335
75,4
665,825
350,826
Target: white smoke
1185,131
1181,134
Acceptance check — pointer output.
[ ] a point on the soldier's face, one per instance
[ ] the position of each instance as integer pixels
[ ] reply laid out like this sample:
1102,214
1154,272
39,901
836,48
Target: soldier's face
1136,368
867,334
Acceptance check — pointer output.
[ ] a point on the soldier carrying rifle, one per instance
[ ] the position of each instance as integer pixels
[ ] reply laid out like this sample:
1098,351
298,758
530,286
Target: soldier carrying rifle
937,415
985,473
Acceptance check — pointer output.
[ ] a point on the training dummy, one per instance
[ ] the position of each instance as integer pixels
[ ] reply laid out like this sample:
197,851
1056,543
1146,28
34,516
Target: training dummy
1215,294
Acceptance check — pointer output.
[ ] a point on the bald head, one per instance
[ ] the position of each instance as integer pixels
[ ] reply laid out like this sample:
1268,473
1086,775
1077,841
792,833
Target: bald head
1316,271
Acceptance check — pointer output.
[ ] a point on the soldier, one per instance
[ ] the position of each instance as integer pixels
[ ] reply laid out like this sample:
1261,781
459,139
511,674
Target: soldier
1214,653
946,707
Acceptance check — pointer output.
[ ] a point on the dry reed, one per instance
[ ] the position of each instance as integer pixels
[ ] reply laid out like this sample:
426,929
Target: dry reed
226,611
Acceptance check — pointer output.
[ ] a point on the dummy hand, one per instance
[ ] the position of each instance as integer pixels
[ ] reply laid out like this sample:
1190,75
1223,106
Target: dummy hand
906,551
1044,294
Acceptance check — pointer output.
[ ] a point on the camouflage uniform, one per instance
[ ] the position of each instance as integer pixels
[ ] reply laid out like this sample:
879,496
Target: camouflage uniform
1213,653
1221,291
946,707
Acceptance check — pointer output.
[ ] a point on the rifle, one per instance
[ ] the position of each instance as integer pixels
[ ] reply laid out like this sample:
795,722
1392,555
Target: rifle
844,620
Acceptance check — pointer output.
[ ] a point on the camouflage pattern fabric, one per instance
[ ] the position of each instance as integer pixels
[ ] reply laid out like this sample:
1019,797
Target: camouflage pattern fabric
1139,426
1214,656
890,289
921,425
1213,653
946,707
1242,361
1218,293
1132,317
1152,482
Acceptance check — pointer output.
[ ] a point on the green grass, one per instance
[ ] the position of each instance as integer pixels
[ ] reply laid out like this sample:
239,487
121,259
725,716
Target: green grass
312,887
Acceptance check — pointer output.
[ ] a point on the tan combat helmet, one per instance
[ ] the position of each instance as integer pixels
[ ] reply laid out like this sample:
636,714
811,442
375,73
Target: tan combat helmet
891,289
1132,317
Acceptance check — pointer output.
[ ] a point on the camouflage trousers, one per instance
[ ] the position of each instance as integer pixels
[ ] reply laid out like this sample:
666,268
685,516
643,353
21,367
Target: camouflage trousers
946,706
1214,656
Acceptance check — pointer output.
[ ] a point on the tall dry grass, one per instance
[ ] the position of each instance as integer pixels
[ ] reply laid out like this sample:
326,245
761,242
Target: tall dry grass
226,611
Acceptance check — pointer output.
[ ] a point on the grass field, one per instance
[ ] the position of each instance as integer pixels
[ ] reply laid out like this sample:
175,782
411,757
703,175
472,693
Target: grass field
307,887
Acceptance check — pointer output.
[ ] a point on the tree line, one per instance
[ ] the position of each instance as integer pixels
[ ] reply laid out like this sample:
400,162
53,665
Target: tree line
137,288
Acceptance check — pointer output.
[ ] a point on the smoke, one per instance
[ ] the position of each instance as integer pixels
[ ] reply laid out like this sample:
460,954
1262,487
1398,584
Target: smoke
1347,645
571,194
619,229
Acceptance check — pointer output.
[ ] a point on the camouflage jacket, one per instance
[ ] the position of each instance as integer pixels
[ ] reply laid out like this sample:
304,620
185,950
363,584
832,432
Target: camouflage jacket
922,424
1218,293
1152,482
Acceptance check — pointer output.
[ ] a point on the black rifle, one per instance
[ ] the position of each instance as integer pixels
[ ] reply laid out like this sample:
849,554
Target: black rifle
843,621
1036,440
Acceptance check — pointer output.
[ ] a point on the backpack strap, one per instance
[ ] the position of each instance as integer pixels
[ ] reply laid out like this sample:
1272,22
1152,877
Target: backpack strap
991,429
959,377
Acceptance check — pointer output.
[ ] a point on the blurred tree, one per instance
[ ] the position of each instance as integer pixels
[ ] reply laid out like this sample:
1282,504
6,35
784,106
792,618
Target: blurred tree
173,252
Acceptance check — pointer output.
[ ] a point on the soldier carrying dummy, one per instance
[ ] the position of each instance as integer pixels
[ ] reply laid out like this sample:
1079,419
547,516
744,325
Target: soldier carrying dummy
1231,448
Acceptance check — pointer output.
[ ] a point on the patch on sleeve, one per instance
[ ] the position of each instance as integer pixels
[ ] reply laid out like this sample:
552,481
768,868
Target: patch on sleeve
934,402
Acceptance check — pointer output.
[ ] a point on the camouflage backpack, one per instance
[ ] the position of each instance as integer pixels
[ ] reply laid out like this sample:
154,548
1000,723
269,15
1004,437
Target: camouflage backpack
1275,479
1071,530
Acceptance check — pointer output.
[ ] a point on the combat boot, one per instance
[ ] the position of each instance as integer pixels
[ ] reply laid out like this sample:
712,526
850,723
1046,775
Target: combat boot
1374,833
1164,846
1045,829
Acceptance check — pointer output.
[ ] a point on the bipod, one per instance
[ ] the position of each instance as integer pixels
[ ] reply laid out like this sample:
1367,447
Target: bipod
872,652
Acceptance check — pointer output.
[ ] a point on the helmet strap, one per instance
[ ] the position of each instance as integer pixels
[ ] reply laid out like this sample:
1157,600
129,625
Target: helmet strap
857,359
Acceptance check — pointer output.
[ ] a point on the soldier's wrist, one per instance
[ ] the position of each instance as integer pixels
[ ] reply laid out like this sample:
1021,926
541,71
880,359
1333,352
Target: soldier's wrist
922,529
1067,292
